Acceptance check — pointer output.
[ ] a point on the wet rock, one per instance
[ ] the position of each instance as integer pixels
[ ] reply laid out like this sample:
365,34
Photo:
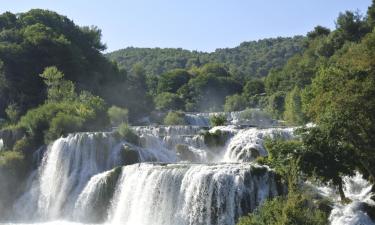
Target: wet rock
130,155
11,136
184,153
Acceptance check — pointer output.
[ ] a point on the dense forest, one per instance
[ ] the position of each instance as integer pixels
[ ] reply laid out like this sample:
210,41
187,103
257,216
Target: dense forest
252,59
55,79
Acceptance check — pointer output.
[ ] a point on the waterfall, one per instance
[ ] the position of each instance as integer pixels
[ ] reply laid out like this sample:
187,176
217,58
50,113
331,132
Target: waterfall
175,175
188,194
68,165
358,190
248,144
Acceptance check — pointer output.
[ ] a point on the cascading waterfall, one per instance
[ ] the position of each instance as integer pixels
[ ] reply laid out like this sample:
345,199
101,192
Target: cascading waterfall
87,177
189,194
68,165
247,144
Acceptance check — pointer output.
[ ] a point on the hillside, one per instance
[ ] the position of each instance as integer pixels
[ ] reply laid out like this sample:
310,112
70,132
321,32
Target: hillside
249,59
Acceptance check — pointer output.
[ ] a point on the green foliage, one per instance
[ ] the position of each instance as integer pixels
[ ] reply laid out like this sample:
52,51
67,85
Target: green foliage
293,107
250,59
168,101
216,139
52,120
58,89
117,115
276,104
173,80
208,91
234,103
253,87
13,113
126,132
295,209
218,120
174,118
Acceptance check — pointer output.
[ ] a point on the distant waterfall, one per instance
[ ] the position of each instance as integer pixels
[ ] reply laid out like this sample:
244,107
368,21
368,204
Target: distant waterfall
189,194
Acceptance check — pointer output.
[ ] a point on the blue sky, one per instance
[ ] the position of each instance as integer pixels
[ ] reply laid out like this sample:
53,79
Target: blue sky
202,25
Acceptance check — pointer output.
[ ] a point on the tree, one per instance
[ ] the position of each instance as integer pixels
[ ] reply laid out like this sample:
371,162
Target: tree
168,101
253,87
173,80
293,107
276,104
318,32
174,118
234,103
13,113
117,115
371,15
58,89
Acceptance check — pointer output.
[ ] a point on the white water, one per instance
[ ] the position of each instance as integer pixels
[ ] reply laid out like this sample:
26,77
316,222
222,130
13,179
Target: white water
188,194
76,180
241,147
358,191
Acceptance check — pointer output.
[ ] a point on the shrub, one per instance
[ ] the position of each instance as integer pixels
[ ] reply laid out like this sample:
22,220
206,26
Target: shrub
168,101
175,118
128,134
294,209
216,139
117,115
234,103
218,120
13,113
51,120
62,124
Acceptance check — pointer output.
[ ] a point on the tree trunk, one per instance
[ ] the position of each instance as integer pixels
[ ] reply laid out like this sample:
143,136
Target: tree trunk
341,192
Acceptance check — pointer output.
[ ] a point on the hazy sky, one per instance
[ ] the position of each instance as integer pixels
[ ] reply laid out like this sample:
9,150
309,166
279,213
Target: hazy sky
193,24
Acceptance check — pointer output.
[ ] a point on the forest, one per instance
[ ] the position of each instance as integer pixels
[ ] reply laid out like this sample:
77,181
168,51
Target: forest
55,79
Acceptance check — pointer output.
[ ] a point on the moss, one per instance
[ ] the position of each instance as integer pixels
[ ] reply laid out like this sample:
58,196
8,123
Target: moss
124,131
216,139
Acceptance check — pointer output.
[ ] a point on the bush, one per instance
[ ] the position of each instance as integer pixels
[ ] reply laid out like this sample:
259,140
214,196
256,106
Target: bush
218,120
234,103
51,120
128,134
63,124
175,118
216,139
168,101
13,113
294,209
117,115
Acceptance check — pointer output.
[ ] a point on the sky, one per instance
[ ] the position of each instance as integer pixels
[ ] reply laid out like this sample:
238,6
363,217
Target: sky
202,25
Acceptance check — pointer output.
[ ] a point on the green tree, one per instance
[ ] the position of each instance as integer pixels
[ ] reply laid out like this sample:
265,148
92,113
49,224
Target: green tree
253,87
173,80
276,104
168,101
174,118
13,113
235,103
117,115
58,89
293,107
